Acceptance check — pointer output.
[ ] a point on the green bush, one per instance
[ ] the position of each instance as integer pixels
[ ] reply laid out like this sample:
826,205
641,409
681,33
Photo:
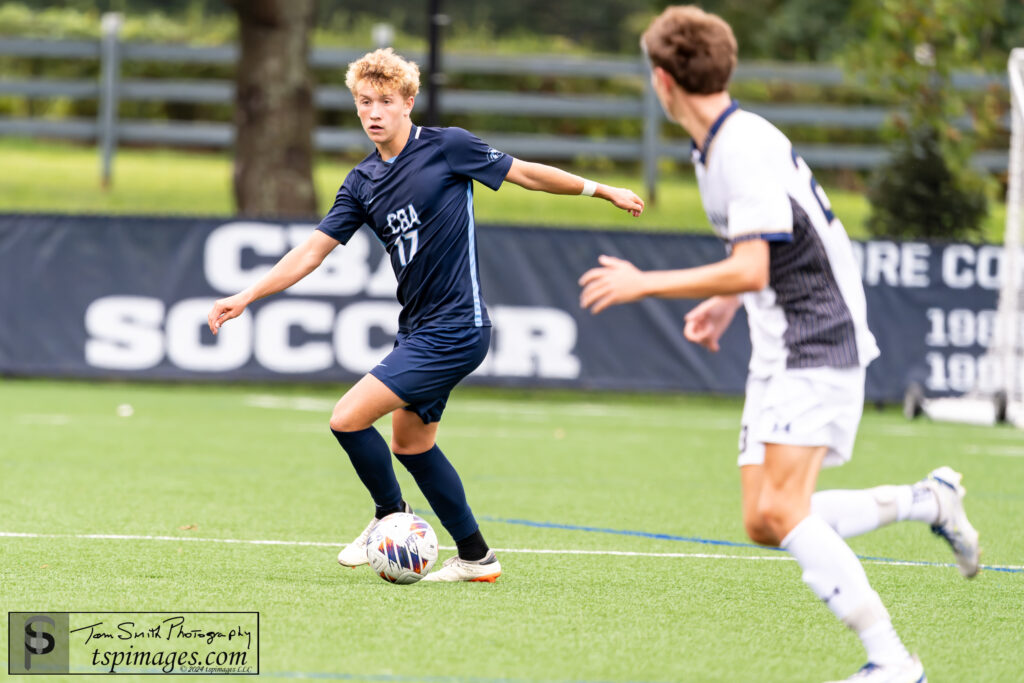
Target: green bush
921,194
909,51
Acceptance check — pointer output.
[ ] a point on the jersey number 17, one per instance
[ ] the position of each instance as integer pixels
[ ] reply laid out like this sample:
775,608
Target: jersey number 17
400,223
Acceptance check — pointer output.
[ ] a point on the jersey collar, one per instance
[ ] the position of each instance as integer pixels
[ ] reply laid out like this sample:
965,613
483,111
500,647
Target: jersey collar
414,134
701,153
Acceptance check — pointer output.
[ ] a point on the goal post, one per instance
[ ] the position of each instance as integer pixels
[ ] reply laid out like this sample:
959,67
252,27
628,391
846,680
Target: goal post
1008,342
1005,400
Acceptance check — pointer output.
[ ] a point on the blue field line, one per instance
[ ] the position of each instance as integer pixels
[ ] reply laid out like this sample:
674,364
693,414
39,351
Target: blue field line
922,563
627,532
712,541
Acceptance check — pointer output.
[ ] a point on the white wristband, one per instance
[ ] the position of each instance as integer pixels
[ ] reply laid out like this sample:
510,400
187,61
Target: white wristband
589,188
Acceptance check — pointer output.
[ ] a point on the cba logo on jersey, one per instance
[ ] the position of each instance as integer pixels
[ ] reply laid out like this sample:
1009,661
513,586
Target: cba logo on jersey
494,155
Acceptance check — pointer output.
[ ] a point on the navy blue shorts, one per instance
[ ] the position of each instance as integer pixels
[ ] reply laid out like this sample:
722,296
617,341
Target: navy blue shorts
425,366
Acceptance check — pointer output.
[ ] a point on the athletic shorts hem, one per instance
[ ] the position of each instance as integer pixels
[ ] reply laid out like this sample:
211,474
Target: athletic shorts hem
811,407
386,381
754,455
424,367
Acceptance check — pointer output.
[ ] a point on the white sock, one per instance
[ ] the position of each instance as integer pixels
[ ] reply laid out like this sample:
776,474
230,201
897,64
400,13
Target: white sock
921,504
882,644
852,513
835,575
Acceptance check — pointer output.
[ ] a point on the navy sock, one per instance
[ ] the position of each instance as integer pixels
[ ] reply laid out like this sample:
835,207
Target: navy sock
371,458
442,488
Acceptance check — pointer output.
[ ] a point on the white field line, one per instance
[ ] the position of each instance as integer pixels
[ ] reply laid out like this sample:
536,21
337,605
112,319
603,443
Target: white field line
303,403
448,431
530,551
537,409
322,544
310,403
645,416
50,420
1001,451
921,429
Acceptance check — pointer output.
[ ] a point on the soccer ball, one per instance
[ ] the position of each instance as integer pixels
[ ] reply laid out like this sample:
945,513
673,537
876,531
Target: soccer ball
402,548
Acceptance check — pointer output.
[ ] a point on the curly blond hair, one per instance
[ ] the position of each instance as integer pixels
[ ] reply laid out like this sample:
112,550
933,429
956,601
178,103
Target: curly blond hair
385,71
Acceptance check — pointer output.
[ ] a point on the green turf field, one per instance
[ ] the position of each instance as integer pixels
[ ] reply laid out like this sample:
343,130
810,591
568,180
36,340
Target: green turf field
617,520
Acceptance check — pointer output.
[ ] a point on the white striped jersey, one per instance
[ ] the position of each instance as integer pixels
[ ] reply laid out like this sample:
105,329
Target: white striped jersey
754,186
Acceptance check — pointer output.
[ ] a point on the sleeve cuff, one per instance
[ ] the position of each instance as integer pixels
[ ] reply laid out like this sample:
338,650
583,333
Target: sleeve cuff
499,177
766,236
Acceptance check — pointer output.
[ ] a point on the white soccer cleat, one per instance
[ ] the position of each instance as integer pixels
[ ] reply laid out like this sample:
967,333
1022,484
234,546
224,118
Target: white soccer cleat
952,524
456,569
354,554
908,671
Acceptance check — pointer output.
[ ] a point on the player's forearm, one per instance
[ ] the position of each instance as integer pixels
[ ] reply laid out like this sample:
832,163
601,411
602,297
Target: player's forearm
544,178
725,279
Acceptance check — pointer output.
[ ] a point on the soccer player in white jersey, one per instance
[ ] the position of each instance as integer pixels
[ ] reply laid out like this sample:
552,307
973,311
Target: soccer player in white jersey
790,265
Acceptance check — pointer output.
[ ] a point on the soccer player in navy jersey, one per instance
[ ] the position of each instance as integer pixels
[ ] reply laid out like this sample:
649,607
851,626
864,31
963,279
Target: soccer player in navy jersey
415,191
790,265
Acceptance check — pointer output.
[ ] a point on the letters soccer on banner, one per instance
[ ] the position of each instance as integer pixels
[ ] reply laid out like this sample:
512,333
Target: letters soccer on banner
304,330
128,297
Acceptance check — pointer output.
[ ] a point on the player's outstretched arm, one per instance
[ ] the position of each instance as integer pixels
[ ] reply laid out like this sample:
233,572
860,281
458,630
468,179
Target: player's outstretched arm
293,266
617,281
544,178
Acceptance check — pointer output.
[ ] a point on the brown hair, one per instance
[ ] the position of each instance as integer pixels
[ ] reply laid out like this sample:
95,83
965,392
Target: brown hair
697,48
386,71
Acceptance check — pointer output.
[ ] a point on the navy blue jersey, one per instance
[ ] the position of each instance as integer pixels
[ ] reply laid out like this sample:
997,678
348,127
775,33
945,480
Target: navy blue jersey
420,205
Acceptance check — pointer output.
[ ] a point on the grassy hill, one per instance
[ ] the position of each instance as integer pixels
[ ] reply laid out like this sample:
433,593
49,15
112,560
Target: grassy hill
53,177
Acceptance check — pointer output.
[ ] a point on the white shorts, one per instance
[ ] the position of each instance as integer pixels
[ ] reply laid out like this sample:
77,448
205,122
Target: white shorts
803,407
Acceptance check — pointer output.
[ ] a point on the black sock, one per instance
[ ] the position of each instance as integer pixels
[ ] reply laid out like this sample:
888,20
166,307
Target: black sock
381,513
473,547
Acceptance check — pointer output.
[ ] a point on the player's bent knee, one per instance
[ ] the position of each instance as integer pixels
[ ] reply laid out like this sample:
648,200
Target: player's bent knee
346,422
777,516
411,446
759,532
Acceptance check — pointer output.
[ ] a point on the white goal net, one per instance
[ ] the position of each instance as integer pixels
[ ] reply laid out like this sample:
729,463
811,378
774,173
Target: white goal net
1003,398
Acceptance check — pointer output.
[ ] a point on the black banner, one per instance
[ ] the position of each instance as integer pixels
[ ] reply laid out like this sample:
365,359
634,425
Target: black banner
124,297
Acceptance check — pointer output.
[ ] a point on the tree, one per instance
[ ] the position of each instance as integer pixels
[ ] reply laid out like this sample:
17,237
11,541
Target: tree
274,113
909,53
